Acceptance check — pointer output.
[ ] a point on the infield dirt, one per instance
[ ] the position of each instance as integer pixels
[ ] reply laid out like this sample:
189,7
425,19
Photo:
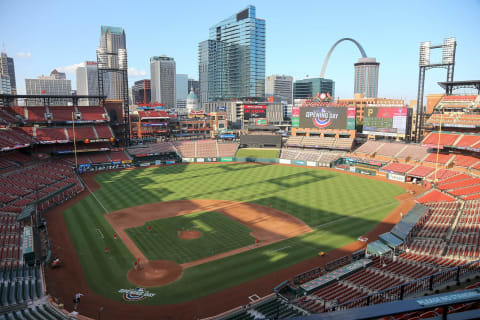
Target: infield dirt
62,283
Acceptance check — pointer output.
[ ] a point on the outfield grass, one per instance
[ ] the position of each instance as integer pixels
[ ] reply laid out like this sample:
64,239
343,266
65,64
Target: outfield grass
338,207
258,153
219,234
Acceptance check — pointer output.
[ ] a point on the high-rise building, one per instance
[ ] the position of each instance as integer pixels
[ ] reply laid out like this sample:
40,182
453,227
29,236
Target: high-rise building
5,86
181,90
232,61
141,92
308,88
87,82
58,75
195,86
280,87
366,77
50,86
113,40
163,74
7,68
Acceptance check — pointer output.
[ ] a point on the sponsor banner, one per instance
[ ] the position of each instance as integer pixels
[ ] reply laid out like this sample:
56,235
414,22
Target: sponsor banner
200,160
136,294
284,161
147,124
221,108
311,163
254,111
170,161
388,121
261,122
227,136
295,122
158,162
84,165
378,133
126,161
454,125
327,118
396,177
295,112
144,164
300,163
226,159
188,160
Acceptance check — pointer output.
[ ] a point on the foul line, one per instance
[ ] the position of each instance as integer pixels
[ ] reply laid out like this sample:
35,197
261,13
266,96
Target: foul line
101,233
90,190
280,249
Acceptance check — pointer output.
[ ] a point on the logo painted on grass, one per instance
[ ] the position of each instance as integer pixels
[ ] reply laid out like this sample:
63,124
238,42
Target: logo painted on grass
136,294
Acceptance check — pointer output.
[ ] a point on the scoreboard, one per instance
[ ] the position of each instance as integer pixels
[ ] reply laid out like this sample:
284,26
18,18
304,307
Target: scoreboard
386,121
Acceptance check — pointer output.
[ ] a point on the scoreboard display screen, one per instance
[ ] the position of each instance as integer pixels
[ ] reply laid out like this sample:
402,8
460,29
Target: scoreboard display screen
254,111
388,121
324,117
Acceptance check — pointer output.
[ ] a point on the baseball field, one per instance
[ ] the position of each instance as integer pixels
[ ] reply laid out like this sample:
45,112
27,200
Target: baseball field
222,223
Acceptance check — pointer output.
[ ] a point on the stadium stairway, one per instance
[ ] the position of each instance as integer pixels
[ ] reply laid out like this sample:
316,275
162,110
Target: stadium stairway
453,226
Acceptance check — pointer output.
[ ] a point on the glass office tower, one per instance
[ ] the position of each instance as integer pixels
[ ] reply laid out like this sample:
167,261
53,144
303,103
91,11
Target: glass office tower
232,61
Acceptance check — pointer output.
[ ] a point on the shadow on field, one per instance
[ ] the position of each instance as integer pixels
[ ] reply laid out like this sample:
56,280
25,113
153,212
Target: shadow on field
352,225
302,178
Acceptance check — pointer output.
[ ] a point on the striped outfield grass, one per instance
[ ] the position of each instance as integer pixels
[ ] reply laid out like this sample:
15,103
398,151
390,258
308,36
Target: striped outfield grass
219,234
257,153
338,207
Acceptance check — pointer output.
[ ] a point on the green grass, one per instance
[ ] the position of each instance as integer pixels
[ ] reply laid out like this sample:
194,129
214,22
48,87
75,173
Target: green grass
258,153
219,234
338,207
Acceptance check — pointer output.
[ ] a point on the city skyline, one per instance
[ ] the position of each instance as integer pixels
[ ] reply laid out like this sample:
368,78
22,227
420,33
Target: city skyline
391,33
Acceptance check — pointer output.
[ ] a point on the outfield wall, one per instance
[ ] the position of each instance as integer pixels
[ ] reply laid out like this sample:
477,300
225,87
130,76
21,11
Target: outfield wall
258,160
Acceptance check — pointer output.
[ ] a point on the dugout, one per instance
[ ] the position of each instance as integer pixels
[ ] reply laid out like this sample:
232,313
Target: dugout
260,141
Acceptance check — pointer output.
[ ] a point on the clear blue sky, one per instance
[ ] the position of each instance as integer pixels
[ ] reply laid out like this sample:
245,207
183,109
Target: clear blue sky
42,35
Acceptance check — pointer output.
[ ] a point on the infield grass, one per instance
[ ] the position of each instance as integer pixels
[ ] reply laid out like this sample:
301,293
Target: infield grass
257,153
219,234
337,206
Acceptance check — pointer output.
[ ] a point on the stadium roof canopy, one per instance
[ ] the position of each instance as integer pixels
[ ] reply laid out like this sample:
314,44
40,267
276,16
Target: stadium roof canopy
378,248
404,226
449,86
390,240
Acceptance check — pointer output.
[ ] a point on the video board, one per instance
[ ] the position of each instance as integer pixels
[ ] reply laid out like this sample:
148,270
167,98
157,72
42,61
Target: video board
324,117
387,121
254,111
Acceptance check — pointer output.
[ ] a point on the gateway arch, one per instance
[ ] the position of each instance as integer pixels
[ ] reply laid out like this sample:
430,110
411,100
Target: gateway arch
325,62
366,71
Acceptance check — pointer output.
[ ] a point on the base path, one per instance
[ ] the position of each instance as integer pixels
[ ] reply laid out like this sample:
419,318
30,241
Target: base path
268,225
190,234
155,273
64,282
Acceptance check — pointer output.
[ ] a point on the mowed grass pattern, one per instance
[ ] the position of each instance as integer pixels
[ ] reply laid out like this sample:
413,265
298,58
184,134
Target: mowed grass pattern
337,206
219,234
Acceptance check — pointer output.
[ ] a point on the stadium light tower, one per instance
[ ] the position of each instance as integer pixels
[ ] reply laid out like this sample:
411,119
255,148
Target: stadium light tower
448,62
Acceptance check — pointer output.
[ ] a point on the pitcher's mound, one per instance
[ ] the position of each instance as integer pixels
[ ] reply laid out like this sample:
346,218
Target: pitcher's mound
155,273
190,234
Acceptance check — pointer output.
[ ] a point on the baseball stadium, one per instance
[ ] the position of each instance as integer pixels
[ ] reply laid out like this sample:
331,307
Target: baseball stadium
192,223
